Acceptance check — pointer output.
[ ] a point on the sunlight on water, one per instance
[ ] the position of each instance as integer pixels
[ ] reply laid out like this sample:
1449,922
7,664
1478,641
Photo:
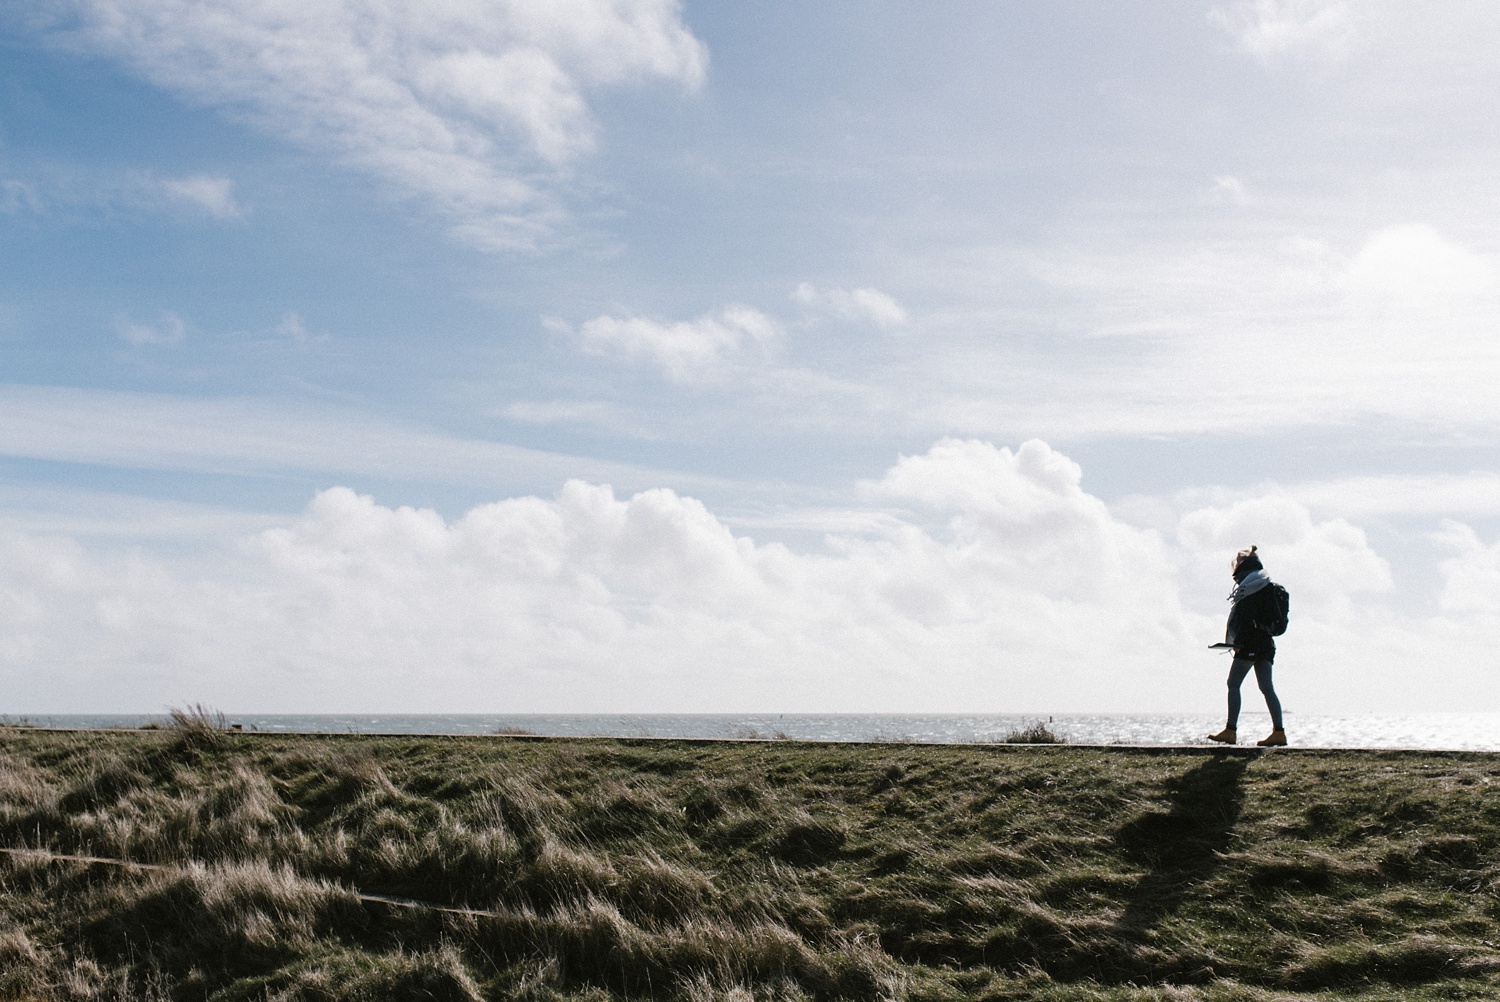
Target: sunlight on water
1468,731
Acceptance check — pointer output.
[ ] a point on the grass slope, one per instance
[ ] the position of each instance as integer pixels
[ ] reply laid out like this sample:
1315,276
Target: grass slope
719,871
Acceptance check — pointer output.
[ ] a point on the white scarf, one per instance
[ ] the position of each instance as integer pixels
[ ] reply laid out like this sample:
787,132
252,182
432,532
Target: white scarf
1252,583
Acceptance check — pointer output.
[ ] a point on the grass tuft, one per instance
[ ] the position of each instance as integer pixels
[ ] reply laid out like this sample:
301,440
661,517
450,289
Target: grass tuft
198,727
1037,733
752,734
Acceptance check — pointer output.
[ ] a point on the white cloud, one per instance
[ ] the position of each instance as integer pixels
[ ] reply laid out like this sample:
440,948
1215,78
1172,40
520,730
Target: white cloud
1411,74
1457,495
1329,563
1471,576
467,104
1416,267
169,330
1411,333
1005,586
686,350
1271,29
1027,511
854,305
1248,334
590,601
213,195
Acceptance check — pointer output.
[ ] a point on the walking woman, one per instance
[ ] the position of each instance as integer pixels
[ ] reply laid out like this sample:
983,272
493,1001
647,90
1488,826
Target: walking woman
1254,610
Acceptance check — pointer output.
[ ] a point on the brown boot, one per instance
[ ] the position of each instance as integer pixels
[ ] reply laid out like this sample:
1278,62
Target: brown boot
1228,737
1275,739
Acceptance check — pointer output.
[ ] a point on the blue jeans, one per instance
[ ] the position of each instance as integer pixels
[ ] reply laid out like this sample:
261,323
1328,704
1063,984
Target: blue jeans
1237,673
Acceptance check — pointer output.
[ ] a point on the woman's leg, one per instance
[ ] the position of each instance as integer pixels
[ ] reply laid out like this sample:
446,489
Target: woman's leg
1237,672
1263,679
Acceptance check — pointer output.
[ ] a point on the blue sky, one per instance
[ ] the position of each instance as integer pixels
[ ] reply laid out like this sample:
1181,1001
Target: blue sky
898,357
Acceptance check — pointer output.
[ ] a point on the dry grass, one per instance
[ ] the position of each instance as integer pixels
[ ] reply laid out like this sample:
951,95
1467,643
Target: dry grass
1037,733
605,869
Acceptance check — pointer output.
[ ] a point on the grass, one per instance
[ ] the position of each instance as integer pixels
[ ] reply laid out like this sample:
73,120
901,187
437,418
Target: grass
706,872
1037,733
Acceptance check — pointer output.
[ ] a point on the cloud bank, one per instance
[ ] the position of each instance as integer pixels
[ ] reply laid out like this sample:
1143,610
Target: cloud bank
994,582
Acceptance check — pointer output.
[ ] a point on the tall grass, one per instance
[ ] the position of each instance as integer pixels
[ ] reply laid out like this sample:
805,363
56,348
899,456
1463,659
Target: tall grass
198,726
1036,733
603,869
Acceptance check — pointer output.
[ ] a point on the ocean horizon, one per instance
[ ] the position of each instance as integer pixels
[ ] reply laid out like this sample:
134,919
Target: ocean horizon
1429,731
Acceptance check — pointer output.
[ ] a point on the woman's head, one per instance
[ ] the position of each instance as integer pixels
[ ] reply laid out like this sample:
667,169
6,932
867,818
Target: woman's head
1244,562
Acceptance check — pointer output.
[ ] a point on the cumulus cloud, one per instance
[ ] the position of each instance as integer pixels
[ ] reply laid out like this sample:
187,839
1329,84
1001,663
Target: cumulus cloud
592,601
994,583
685,350
1330,563
1028,510
468,105
1471,575
854,305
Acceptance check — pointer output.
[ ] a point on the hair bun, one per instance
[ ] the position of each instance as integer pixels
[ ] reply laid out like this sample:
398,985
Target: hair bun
1247,558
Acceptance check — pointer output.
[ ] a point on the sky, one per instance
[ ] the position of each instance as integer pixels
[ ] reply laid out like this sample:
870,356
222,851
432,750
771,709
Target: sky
642,356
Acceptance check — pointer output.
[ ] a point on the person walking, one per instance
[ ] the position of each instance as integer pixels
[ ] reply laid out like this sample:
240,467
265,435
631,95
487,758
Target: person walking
1248,632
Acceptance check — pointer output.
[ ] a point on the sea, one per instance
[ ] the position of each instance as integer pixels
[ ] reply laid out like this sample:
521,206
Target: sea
1435,731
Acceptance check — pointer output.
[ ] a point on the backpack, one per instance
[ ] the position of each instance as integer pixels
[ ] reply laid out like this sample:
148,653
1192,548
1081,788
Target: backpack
1278,609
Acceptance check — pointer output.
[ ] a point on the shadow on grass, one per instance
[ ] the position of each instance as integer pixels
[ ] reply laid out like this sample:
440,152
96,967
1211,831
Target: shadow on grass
1181,846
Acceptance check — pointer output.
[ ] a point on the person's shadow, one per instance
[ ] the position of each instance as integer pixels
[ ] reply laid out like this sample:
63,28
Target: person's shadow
1180,847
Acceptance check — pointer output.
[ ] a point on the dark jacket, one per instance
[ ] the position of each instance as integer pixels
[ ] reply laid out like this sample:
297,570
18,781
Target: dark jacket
1242,631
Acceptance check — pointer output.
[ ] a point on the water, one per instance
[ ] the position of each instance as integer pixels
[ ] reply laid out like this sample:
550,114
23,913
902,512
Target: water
1465,731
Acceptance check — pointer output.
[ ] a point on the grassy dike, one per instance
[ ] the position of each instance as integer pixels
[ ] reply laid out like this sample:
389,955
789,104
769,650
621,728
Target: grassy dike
613,869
